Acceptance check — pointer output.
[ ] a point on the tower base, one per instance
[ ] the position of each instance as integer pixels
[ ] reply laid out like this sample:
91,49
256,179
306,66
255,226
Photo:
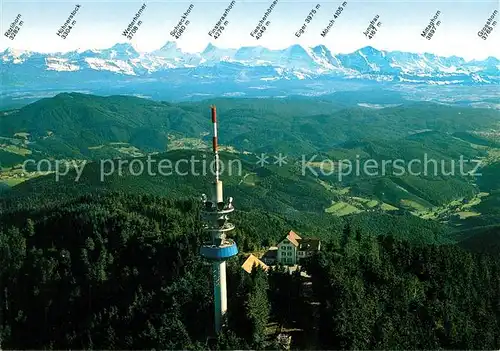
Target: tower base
220,294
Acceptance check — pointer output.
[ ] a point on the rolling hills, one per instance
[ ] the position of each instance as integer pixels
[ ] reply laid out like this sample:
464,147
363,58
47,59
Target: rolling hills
314,135
77,125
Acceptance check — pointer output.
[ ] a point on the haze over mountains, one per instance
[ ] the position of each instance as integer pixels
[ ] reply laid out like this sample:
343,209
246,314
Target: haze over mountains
246,64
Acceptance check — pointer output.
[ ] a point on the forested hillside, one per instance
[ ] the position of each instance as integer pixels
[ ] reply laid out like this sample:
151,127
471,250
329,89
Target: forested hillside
77,125
122,271
286,189
386,294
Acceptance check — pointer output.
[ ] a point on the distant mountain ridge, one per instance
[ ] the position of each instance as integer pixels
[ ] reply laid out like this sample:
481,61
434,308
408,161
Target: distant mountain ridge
258,64
81,126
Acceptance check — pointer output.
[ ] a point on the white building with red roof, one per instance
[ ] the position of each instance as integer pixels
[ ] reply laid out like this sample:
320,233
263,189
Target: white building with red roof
293,248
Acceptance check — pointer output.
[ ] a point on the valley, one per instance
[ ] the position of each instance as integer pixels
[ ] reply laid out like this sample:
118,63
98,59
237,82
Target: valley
327,130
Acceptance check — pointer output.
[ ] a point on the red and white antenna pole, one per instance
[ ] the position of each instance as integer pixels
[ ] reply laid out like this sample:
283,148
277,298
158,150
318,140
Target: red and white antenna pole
220,248
218,195
215,143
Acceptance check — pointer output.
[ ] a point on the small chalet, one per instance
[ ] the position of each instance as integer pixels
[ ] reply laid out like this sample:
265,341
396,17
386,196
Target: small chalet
252,261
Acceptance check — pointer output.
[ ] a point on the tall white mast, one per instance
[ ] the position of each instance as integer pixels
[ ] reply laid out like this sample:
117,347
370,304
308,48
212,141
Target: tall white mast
219,248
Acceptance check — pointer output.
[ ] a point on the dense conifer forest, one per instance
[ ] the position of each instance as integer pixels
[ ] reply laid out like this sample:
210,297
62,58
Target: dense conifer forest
118,271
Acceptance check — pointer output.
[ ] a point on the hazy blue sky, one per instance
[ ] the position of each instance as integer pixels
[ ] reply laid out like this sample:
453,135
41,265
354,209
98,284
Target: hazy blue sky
100,24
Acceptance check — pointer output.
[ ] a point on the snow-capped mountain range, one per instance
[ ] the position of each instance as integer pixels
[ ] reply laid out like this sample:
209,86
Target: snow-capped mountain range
249,64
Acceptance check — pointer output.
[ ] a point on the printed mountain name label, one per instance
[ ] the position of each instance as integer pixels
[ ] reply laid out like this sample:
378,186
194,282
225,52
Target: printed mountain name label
373,27
308,20
489,26
222,24
66,28
181,26
335,16
14,27
134,25
429,31
263,23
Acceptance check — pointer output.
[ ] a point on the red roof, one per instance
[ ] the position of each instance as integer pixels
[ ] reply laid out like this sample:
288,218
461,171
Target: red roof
293,237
